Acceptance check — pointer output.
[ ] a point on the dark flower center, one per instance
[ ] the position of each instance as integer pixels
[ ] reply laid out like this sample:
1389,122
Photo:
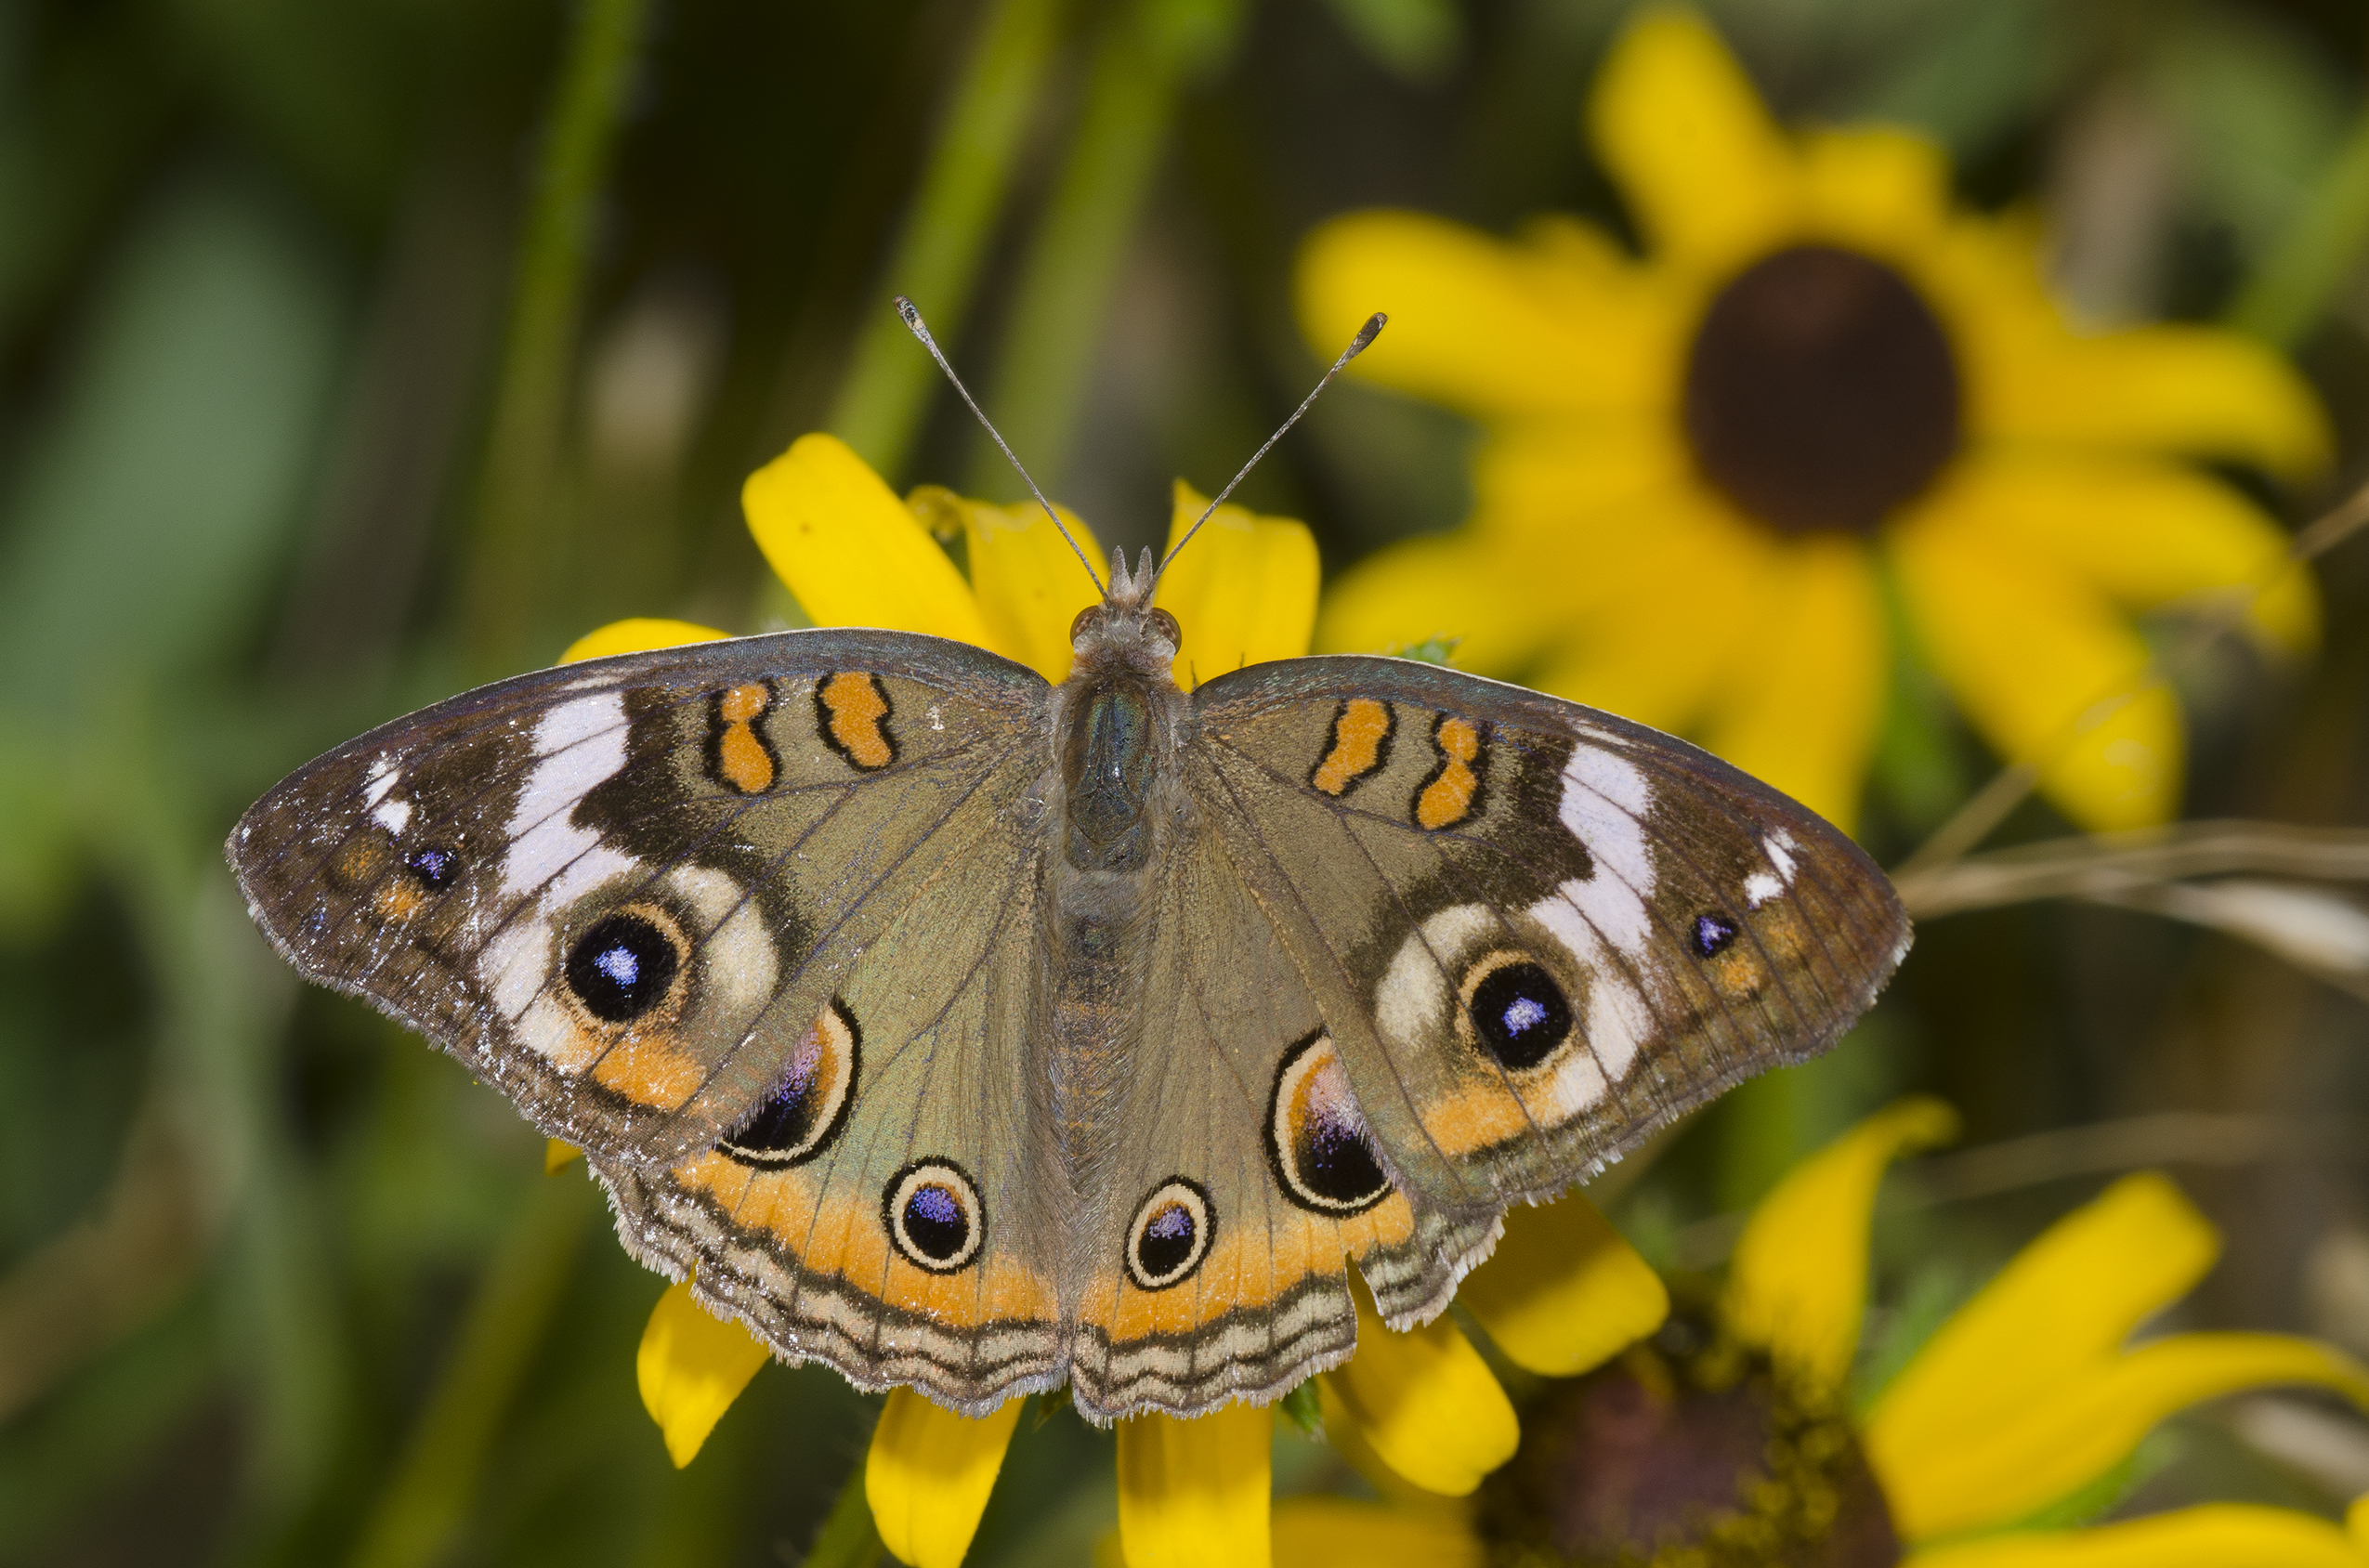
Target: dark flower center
1686,1453
1821,391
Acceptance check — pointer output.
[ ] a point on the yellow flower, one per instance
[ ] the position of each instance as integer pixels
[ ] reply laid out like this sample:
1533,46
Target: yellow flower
1826,410
1738,1447
1562,1293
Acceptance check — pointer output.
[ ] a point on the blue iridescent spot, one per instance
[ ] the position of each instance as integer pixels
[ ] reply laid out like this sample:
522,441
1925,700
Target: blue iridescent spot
434,868
1712,934
1520,1014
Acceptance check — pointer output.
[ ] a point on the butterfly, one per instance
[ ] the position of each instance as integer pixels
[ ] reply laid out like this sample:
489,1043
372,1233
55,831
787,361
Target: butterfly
968,1032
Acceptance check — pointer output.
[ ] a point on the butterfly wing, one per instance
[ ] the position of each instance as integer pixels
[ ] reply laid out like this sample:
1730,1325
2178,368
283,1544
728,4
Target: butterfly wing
1238,1182
625,891
1536,932
887,1213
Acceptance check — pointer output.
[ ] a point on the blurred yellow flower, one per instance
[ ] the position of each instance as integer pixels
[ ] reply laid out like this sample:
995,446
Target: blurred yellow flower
1563,1292
1707,472
1738,1448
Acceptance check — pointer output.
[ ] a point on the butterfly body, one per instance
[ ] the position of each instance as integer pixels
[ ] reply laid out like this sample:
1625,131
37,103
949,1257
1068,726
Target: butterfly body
961,1030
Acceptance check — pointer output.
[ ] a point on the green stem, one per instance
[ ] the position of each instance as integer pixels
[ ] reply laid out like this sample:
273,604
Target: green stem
879,406
517,526
1147,54
848,1537
2318,254
428,1501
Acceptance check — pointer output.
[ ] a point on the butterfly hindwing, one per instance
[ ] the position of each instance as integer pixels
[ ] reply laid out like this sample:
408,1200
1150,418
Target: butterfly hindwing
623,892
1539,931
886,1211
1238,1184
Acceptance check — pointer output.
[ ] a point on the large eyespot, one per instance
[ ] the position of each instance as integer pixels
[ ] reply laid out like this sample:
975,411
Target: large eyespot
433,866
934,1214
1518,1012
625,966
1170,1234
1317,1144
810,1108
1712,934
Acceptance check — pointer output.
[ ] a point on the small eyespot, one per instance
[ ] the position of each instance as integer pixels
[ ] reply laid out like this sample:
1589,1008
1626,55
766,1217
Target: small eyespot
1170,1234
433,866
810,1110
1164,626
1317,1143
1711,935
1518,1012
933,1214
625,966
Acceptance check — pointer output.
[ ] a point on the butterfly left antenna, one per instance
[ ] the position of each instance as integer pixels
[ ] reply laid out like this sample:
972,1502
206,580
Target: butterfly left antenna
921,329
1365,335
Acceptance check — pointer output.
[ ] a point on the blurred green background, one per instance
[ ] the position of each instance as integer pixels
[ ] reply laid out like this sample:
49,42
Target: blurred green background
353,353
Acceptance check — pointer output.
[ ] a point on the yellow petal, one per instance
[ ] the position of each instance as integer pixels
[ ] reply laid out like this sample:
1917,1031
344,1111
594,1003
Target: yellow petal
928,1474
1336,1533
1798,1283
1800,712
1876,188
2158,388
2144,531
1680,128
2214,1535
1029,581
558,1155
691,1366
2356,1522
2060,1305
1588,495
1425,1401
1565,325
850,551
1453,586
1244,590
638,635
1196,1492
2044,667
1563,1291
2089,1422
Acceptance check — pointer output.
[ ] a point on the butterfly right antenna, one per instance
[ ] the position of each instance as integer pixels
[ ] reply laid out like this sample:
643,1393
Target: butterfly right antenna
1365,335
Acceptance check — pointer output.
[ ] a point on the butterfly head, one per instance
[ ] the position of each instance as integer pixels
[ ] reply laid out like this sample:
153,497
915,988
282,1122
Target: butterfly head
1125,630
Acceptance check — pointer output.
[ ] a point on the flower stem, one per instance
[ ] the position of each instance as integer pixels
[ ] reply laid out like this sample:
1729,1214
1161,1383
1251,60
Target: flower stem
2317,256
879,406
428,1500
517,522
848,1537
1147,52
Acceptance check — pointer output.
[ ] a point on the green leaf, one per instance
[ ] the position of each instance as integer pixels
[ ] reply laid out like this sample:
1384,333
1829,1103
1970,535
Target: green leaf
147,524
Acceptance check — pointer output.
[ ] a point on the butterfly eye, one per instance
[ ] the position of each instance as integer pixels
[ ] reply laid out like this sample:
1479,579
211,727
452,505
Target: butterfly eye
1518,1011
1171,1234
934,1214
1089,620
1164,626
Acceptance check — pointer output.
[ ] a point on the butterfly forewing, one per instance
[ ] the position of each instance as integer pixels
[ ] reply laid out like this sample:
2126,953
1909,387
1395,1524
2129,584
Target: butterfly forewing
1538,930
623,892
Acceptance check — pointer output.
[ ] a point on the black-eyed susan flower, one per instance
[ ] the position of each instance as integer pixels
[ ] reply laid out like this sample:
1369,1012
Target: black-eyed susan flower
1825,410
1562,1292
1734,1439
